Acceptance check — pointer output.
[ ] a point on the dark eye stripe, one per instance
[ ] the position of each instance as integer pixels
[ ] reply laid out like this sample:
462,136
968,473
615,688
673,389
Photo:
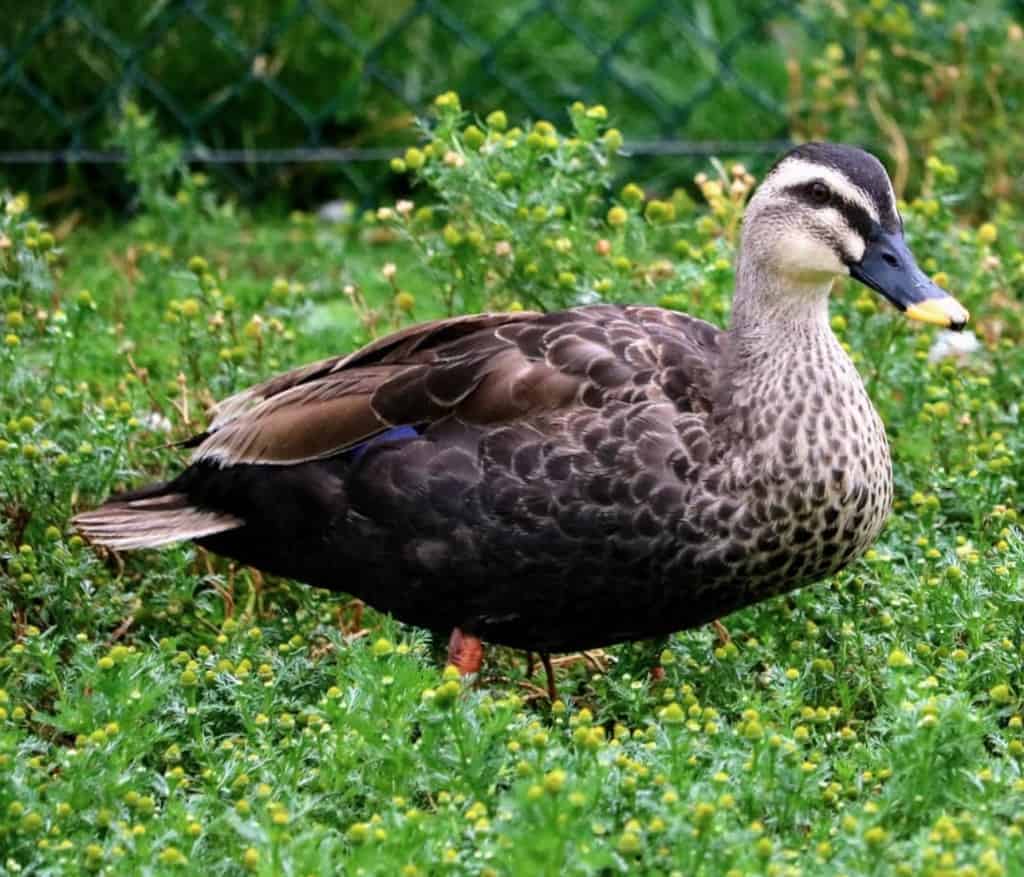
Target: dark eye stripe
855,215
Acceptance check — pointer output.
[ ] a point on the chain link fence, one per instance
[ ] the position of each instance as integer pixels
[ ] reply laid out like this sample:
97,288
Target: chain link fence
309,96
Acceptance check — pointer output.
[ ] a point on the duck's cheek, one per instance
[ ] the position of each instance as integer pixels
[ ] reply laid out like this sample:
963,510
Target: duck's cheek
853,249
807,257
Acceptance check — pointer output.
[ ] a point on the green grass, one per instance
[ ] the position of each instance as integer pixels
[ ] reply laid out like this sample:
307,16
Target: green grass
170,712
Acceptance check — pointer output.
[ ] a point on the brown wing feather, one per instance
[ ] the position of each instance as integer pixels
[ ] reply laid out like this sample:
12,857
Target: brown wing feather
397,347
488,368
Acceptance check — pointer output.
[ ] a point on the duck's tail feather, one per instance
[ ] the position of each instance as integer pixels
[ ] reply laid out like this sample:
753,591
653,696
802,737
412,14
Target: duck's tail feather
151,518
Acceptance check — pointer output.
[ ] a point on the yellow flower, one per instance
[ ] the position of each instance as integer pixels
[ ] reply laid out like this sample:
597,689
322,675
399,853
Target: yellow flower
612,139
617,216
448,101
899,658
414,158
703,812
473,137
452,236
16,206
753,730
554,781
172,856
632,194
630,843
660,211
1001,694
672,714
875,836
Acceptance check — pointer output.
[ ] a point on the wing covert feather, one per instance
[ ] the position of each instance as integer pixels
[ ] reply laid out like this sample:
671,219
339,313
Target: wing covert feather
482,369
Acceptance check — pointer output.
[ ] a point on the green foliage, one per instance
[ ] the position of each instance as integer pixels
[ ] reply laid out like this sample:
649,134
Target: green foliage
910,79
274,75
170,712
945,80
523,217
170,197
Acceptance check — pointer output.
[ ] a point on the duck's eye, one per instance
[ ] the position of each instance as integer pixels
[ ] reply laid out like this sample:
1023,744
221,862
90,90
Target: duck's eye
820,193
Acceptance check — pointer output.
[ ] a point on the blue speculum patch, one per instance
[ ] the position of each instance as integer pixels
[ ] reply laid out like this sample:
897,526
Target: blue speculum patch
389,435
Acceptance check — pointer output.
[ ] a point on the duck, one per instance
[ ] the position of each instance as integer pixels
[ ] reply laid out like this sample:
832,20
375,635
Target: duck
568,480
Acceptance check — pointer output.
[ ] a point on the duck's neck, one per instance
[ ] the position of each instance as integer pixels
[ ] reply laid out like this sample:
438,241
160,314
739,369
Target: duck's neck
766,302
779,349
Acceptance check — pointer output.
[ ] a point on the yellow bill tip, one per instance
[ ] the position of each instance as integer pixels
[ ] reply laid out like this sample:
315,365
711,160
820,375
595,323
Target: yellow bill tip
945,311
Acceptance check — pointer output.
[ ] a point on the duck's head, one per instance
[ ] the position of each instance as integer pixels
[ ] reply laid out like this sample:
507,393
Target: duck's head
826,210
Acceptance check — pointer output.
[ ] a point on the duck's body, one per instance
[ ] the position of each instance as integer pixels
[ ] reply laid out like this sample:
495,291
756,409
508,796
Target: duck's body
560,481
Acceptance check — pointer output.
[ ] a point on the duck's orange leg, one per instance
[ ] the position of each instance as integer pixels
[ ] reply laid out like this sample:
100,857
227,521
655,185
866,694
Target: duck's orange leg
465,652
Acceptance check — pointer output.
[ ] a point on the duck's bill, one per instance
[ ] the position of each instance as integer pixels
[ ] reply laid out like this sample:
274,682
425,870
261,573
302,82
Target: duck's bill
889,267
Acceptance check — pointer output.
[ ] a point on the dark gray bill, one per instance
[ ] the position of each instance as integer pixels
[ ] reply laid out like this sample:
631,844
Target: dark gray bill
889,267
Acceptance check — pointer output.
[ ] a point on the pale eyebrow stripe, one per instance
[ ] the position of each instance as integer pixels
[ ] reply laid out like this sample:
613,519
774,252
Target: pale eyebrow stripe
794,171
893,202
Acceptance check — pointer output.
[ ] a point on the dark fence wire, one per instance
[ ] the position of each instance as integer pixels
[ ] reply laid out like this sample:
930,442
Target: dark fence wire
71,125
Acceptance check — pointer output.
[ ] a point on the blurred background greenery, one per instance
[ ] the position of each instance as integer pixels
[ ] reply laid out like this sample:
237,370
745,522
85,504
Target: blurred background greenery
305,100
